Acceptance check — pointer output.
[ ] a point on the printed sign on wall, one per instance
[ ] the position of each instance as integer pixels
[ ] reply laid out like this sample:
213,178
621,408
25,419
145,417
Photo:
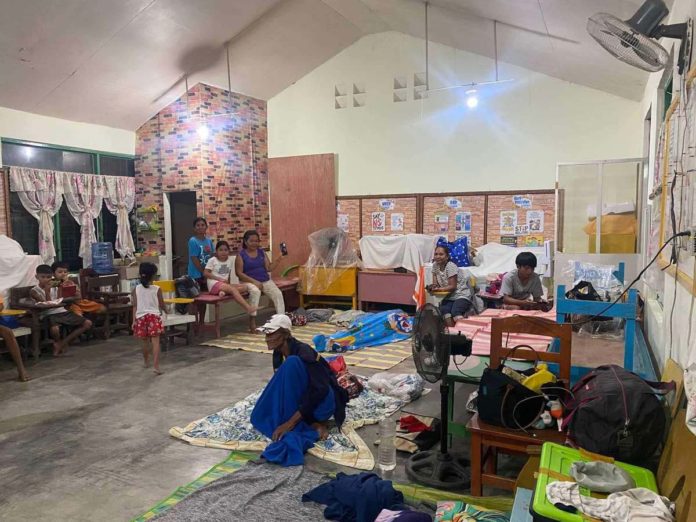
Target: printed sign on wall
342,221
462,222
508,241
397,222
453,203
521,230
535,221
522,202
386,204
378,221
508,222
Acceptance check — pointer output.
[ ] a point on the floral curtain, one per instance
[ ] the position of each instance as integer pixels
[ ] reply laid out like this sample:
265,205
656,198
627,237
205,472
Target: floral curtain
41,194
84,194
119,196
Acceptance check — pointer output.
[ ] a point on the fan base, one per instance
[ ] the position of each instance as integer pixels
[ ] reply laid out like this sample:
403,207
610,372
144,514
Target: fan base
439,470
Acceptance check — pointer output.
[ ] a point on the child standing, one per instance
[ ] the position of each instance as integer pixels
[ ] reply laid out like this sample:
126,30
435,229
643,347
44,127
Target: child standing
49,290
148,306
218,270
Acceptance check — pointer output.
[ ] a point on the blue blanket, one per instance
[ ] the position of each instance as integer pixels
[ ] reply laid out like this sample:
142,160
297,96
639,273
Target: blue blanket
368,330
278,402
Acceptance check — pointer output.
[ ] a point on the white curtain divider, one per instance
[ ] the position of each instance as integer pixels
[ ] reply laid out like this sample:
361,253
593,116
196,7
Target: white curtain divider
119,196
42,191
41,194
83,195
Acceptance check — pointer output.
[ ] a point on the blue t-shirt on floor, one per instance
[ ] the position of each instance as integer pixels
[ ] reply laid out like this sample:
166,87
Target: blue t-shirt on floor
203,250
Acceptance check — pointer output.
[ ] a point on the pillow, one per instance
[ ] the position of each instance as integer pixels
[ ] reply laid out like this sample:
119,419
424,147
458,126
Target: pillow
458,249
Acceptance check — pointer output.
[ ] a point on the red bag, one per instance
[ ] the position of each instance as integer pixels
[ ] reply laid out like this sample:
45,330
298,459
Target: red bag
338,365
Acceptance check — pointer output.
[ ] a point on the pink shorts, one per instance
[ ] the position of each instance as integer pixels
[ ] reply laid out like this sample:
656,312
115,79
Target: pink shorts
215,290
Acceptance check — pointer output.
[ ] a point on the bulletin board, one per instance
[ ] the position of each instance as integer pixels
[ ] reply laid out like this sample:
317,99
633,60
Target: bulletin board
348,217
455,216
386,216
674,192
521,219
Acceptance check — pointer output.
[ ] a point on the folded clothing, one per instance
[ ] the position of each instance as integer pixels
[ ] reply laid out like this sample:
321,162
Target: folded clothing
358,498
602,477
633,505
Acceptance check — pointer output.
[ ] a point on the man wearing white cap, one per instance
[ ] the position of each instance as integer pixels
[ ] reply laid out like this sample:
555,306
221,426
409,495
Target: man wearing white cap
300,398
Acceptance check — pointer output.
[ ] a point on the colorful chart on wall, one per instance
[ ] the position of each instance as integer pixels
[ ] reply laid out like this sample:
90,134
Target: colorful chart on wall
378,221
535,221
343,222
462,222
508,221
508,241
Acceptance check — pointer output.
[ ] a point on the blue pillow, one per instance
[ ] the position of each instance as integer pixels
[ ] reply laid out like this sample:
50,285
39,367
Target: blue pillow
458,249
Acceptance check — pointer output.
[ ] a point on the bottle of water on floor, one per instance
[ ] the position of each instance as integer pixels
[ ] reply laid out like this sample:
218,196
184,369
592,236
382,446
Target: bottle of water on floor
386,454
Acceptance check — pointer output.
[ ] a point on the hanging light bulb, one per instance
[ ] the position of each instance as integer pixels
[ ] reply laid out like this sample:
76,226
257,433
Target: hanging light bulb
471,99
203,131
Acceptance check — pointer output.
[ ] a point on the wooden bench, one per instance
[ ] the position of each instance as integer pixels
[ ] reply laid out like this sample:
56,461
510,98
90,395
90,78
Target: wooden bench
286,285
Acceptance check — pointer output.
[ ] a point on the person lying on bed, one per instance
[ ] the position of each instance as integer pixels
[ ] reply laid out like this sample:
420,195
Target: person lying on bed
447,278
522,284
303,394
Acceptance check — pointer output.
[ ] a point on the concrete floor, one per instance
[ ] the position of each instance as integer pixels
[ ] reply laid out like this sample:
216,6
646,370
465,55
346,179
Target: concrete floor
87,438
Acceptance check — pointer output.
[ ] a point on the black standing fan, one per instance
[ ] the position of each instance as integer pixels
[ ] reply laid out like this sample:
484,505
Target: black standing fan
634,41
432,347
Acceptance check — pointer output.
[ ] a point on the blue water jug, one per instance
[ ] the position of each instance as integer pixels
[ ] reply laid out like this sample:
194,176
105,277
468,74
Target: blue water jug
103,258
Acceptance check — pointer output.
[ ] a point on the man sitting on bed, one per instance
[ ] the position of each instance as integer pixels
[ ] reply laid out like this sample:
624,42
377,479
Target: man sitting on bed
522,284
300,398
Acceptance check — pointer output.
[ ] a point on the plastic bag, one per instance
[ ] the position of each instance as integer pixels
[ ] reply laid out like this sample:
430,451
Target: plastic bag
332,254
406,387
611,330
690,390
602,277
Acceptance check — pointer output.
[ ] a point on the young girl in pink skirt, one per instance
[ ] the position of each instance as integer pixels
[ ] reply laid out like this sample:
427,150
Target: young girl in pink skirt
148,307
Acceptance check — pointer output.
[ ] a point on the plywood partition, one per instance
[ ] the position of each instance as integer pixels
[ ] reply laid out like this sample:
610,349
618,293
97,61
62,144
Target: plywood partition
522,219
348,216
385,216
456,216
303,200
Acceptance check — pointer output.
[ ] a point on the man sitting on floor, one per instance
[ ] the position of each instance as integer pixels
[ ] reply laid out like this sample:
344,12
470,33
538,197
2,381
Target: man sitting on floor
300,398
521,284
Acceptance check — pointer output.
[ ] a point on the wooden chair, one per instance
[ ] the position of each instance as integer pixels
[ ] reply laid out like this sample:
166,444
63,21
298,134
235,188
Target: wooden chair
487,440
20,332
118,306
20,299
172,320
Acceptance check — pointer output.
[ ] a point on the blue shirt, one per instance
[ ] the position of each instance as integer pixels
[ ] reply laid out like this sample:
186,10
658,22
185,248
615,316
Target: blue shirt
203,250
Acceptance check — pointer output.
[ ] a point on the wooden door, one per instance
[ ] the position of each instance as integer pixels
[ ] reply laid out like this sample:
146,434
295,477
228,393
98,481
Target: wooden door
303,200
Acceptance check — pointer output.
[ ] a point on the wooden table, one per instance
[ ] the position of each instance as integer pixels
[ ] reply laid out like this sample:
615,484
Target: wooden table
487,440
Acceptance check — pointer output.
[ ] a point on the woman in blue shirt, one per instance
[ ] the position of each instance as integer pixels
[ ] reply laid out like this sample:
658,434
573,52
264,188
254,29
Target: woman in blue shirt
200,249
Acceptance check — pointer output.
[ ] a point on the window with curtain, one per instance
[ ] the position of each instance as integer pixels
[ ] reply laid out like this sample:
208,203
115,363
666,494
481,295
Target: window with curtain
67,231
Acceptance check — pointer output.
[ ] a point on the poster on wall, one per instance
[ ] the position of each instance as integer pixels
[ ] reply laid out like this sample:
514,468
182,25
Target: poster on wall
338,206
508,222
522,201
387,204
535,221
533,241
442,222
342,221
378,221
462,222
397,222
521,230
508,241
453,203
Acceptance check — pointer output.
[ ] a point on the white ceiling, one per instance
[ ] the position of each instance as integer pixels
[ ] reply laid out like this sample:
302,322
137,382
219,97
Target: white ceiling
117,63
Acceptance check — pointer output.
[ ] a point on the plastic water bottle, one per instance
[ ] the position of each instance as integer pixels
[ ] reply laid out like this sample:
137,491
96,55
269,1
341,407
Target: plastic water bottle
386,454
103,258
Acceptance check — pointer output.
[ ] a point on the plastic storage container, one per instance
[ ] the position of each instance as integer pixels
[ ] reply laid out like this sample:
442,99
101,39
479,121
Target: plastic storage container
557,459
386,455
103,258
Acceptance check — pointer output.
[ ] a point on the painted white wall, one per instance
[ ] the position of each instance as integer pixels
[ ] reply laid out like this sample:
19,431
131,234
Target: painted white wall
513,140
669,333
54,131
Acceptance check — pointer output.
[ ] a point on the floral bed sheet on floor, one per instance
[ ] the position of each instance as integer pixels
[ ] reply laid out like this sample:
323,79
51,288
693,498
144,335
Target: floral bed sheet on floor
231,427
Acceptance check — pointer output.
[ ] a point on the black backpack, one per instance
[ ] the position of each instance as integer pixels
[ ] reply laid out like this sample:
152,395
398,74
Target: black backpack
616,413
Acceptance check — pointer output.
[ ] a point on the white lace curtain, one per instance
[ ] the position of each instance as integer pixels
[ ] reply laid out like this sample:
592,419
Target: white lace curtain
42,191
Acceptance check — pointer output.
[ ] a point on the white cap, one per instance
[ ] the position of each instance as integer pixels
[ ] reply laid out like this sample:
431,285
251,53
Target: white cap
275,322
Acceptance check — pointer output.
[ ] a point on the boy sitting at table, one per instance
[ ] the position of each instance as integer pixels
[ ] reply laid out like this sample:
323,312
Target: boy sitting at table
522,284
80,306
45,294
